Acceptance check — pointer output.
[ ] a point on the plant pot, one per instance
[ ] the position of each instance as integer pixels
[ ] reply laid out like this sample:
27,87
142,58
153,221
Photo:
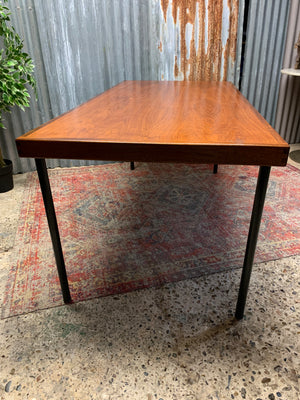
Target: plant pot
6,177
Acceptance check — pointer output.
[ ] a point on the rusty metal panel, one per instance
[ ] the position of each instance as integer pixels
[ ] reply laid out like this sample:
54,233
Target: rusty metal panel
287,121
202,38
83,47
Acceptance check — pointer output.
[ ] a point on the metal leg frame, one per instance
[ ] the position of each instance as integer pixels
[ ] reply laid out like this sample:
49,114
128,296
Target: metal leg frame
260,194
258,205
52,222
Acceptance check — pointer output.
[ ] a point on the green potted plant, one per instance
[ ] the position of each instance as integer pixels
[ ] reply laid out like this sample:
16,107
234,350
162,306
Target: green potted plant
16,73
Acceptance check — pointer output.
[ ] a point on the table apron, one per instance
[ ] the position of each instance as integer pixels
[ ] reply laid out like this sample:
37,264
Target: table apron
173,153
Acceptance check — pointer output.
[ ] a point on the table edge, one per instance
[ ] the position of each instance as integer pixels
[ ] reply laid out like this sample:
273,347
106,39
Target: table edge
220,153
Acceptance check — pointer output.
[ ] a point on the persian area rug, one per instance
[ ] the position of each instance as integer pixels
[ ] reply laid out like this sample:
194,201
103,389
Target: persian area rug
124,230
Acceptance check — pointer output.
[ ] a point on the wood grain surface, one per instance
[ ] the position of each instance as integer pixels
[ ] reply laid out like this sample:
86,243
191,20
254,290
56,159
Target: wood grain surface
202,122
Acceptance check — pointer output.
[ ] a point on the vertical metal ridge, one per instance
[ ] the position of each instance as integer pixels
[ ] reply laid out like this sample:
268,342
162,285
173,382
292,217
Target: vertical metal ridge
236,67
273,61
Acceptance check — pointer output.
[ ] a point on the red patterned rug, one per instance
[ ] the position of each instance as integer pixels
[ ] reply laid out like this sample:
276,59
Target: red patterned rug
124,230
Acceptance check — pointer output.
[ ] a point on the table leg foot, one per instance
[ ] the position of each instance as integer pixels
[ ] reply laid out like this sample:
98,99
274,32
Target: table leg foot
52,223
132,165
215,168
258,205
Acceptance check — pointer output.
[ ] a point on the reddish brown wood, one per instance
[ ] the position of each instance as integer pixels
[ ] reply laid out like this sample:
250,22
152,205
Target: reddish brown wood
201,122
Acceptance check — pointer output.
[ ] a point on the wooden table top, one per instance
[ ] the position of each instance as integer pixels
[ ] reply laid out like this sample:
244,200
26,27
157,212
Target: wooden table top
198,122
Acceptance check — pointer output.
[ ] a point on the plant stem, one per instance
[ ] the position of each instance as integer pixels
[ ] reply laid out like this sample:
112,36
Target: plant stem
2,163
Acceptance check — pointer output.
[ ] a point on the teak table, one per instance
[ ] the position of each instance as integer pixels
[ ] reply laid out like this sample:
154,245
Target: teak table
150,121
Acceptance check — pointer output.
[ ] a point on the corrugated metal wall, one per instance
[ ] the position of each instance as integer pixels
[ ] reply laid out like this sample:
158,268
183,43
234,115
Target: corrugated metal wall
83,47
265,43
288,110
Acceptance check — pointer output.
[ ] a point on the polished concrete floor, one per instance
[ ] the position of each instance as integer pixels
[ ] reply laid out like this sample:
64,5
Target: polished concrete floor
179,341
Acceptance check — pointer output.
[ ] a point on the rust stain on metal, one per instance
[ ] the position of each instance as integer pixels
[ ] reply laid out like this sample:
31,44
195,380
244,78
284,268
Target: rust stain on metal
176,69
160,46
230,48
204,63
234,12
164,6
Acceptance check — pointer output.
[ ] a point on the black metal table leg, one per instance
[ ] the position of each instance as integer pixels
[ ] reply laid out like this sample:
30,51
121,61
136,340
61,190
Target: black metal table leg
258,205
52,222
215,168
132,165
